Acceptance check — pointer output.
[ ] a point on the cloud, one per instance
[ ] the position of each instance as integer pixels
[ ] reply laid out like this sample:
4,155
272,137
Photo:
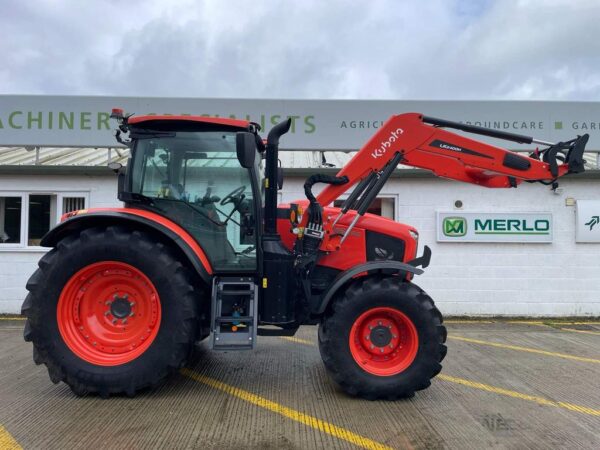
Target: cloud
389,49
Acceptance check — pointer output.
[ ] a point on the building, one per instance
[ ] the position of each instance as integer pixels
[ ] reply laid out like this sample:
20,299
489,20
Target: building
56,151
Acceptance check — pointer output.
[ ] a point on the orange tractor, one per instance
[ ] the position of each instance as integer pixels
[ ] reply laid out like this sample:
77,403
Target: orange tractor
201,249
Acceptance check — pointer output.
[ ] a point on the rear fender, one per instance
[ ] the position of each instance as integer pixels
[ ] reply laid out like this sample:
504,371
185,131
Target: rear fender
385,267
138,219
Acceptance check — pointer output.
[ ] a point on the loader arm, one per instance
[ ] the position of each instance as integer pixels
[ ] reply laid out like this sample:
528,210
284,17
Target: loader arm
423,143
419,141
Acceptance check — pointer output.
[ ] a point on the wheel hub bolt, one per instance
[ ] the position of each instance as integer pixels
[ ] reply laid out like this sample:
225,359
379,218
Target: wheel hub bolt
120,308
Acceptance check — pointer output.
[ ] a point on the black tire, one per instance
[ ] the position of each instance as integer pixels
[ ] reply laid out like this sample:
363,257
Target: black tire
391,292
178,305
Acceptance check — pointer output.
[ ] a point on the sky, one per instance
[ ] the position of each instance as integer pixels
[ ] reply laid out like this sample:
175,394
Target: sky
377,49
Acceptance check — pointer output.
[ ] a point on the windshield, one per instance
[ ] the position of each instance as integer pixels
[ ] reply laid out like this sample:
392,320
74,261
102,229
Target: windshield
196,180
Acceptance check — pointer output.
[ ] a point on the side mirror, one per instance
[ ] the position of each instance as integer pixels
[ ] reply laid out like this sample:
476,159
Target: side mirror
279,177
245,144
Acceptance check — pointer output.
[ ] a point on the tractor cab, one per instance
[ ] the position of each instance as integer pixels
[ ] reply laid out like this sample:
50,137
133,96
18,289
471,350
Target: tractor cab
190,173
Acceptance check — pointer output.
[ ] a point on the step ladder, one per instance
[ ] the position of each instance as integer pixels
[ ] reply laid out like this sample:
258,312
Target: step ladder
234,313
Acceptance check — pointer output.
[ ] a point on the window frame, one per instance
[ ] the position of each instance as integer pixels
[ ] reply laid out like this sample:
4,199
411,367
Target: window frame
394,197
23,233
24,195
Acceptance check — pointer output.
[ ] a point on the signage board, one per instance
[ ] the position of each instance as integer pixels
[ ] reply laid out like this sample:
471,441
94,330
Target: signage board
459,226
588,221
316,124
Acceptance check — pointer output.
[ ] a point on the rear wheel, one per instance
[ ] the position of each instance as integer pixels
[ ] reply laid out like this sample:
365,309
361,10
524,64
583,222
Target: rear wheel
110,310
382,338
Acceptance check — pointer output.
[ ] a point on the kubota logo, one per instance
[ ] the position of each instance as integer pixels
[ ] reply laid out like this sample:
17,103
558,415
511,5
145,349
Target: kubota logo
454,226
385,145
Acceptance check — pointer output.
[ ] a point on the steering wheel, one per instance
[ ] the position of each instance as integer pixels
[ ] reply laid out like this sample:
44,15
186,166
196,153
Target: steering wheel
231,197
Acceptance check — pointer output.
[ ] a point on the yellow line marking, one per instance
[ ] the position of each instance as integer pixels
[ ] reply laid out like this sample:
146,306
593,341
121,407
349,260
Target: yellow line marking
313,422
514,394
501,391
524,349
297,340
468,321
7,442
597,333
13,318
574,323
557,325
528,322
491,344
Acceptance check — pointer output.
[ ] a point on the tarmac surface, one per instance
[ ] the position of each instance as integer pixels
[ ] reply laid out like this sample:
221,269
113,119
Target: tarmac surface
504,385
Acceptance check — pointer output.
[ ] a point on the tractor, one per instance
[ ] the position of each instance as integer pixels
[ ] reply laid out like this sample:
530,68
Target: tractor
201,250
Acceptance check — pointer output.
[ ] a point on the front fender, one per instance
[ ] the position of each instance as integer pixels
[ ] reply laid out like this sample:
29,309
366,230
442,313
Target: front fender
386,267
140,219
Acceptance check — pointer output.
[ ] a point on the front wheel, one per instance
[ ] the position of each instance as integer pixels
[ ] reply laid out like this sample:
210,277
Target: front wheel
382,338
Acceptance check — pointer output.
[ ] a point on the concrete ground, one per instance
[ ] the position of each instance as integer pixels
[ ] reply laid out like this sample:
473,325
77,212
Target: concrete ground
504,385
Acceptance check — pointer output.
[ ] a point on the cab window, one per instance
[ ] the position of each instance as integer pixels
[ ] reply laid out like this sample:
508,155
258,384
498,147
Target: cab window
195,179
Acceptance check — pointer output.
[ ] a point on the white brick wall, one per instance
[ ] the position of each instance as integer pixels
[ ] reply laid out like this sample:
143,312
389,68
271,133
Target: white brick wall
558,279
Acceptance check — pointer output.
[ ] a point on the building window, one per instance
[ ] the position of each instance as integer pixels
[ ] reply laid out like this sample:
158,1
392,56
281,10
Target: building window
26,217
10,220
381,206
42,212
73,204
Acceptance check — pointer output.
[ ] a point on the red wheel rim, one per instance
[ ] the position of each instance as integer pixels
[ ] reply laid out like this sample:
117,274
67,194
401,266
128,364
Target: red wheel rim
108,313
384,341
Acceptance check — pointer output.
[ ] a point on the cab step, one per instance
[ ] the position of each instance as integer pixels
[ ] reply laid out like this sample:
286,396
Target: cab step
234,313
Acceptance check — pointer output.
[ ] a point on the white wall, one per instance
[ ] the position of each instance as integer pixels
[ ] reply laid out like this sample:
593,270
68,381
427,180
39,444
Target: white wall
558,279
16,265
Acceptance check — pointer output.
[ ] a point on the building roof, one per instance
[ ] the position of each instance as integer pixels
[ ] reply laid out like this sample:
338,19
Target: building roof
61,156
84,159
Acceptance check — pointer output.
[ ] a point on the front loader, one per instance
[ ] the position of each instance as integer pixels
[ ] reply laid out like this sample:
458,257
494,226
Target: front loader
201,250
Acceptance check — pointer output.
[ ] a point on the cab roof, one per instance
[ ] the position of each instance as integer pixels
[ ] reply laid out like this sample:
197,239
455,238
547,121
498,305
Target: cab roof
151,120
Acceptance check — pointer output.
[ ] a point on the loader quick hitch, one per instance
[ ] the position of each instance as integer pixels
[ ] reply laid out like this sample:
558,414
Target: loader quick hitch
569,152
